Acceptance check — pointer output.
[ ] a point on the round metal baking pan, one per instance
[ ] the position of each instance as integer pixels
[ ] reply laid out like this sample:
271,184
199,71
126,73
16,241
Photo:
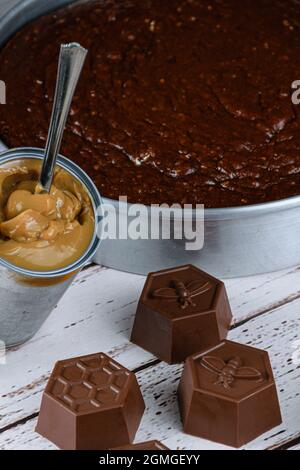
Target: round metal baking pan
239,241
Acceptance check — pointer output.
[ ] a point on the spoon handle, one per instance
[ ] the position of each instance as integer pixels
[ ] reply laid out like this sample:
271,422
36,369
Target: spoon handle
71,60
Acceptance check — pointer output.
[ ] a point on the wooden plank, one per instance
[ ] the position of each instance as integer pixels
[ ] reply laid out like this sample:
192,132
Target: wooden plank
91,317
252,296
296,447
275,332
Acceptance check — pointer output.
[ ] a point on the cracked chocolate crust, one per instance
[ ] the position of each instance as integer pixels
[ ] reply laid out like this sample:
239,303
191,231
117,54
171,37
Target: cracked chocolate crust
182,101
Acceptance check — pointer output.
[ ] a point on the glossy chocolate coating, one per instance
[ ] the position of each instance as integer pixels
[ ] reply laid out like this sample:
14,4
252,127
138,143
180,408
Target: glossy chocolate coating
189,99
227,394
149,445
181,311
90,403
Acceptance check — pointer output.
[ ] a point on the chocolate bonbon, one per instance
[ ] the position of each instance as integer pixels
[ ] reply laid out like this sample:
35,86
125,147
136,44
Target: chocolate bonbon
149,445
181,311
228,394
90,402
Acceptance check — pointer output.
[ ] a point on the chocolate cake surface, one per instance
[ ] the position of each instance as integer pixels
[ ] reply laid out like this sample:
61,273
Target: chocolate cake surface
180,101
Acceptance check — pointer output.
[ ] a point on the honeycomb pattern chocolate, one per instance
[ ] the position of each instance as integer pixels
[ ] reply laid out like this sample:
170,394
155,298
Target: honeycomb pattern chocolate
89,384
90,402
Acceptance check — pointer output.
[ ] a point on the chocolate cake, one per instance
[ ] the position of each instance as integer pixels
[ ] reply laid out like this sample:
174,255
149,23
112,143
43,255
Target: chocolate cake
185,101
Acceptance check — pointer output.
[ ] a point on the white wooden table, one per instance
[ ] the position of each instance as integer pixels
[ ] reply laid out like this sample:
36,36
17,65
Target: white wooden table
96,314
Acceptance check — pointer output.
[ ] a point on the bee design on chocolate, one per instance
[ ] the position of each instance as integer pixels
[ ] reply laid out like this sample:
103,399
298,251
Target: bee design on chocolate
183,293
230,371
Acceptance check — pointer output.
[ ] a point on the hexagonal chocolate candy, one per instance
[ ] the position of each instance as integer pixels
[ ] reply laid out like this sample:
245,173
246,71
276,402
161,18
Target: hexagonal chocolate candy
228,394
181,311
90,402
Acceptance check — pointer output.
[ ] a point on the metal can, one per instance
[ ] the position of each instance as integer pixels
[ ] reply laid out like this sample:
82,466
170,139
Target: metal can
28,297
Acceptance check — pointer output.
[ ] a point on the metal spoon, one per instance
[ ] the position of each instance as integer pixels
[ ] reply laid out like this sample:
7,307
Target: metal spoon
71,60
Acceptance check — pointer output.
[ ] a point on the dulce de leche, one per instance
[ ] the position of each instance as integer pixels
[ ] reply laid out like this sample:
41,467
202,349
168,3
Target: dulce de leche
40,231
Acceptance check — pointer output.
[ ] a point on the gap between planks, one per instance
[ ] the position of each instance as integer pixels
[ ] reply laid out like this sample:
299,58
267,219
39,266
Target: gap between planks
286,445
